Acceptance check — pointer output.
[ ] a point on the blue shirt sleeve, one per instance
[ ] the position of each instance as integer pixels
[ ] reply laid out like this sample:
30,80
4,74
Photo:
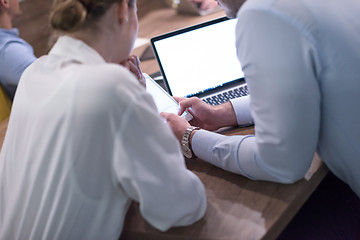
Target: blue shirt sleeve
15,57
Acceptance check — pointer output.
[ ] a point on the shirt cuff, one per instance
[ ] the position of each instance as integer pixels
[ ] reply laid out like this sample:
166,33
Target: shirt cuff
241,107
226,152
203,143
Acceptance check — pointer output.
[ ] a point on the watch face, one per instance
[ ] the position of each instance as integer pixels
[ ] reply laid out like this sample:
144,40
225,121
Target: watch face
186,151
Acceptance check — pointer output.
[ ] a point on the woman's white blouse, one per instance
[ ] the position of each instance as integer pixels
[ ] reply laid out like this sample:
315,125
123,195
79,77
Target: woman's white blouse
84,139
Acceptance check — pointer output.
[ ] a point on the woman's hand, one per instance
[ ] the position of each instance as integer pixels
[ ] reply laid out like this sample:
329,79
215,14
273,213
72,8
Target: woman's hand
177,124
133,64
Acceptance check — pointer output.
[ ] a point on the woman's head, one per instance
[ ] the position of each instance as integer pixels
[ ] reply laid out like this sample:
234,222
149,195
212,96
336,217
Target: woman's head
111,23
72,15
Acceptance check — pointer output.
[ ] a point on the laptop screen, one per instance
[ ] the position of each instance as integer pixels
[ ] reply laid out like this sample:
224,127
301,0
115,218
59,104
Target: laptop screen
199,58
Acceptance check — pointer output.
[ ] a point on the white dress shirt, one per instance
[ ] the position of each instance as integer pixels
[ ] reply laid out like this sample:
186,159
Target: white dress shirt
84,139
301,59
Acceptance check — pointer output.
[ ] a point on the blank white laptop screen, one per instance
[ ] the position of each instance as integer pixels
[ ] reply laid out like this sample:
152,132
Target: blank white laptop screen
199,58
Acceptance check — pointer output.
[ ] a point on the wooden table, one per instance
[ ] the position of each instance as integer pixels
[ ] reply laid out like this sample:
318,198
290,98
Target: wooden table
238,208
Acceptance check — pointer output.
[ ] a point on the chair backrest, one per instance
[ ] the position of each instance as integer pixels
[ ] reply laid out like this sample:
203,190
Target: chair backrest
5,104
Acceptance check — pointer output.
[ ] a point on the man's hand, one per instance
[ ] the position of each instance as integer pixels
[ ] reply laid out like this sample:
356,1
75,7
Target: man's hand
207,116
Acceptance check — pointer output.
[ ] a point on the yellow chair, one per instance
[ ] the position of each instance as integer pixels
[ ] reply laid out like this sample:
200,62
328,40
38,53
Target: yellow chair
5,105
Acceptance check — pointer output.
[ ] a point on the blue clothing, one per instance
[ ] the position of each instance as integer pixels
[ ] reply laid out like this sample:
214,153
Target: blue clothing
15,56
301,60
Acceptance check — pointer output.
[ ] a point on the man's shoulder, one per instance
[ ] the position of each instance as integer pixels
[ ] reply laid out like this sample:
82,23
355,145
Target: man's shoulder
8,37
298,13
277,6
258,5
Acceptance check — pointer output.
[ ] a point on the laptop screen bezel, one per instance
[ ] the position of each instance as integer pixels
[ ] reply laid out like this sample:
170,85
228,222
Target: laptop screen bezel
155,39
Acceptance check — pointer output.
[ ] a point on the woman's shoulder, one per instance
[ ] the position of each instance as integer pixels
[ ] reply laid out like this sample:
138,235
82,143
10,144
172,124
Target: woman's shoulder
110,81
109,71
108,75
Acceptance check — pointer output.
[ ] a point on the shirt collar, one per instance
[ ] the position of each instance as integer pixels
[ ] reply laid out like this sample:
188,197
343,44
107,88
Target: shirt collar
14,31
75,49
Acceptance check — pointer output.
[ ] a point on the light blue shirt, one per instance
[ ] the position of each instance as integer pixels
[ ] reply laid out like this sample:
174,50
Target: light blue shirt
15,56
301,59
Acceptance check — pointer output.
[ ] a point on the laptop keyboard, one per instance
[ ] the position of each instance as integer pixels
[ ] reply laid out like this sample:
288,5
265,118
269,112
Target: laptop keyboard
226,96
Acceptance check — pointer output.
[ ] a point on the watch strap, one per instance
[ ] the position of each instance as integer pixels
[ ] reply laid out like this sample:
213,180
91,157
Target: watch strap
185,142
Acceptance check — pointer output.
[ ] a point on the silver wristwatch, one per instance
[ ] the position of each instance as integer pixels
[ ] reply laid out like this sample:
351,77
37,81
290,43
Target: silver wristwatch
185,142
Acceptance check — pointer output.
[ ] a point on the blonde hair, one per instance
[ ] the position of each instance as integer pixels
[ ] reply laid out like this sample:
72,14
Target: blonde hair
72,15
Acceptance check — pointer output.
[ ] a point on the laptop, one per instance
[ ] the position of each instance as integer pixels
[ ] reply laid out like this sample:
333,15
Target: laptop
201,61
192,8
